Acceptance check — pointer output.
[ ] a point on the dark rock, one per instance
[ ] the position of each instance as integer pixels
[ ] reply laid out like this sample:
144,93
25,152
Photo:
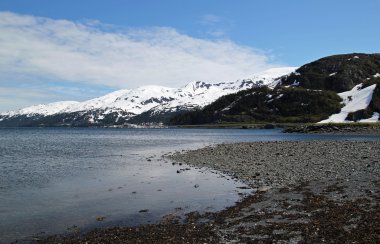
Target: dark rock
269,126
100,218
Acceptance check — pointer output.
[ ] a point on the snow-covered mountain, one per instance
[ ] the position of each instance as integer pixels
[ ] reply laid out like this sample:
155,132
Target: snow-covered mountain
339,88
123,105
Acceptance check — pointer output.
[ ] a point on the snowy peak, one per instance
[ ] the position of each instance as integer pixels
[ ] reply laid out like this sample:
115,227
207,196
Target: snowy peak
156,98
195,85
270,77
44,109
273,73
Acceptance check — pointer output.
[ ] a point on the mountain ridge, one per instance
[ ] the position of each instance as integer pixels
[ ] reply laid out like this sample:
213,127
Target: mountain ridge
120,106
338,88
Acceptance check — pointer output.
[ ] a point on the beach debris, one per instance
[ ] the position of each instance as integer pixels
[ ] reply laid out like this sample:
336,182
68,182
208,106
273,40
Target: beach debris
264,188
100,218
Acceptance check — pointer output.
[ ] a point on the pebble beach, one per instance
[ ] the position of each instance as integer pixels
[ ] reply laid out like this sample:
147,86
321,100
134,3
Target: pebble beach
304,192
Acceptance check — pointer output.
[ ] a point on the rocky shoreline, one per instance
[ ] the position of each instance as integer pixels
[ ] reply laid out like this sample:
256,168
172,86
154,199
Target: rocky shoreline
284,163
348,129
308,192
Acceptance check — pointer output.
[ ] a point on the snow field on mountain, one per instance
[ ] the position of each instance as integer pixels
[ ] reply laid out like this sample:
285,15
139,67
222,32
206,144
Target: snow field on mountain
44,109
156,98
353,100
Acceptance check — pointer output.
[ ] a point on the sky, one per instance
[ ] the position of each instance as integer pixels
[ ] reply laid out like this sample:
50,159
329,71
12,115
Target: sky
77,50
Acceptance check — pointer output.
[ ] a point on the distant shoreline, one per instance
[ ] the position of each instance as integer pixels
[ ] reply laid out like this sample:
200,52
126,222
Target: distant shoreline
304,128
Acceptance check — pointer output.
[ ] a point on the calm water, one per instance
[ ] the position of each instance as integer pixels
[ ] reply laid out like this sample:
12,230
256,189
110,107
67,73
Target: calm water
54,179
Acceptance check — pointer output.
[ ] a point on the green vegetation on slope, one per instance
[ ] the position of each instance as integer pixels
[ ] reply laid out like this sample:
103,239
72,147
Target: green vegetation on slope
283,105
307,95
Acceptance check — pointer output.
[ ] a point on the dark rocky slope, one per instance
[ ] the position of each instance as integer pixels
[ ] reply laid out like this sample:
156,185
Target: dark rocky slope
307,95
337,73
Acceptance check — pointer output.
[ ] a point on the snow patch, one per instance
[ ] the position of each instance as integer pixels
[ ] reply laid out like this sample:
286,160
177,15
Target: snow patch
274,83
353,100
332,74
373,119
354,57
376,75
295,83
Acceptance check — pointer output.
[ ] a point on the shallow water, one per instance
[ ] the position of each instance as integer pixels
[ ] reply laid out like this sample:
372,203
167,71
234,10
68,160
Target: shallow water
52,179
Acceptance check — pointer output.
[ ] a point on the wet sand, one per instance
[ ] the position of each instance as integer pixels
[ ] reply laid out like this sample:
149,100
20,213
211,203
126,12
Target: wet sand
307,192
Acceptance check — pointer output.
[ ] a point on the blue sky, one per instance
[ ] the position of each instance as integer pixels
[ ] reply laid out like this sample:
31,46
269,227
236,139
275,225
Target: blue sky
76,50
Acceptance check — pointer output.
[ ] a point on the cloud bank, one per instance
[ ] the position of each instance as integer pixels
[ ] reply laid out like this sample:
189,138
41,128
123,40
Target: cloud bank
48,60
90,52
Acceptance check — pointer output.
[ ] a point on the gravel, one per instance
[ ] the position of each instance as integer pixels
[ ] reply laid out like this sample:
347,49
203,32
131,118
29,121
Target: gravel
307,191
285,163
338,129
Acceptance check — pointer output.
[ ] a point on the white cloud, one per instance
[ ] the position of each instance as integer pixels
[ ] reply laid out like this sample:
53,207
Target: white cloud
92,53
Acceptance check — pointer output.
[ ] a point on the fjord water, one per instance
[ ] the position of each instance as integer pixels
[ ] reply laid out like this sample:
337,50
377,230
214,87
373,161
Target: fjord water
54,180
